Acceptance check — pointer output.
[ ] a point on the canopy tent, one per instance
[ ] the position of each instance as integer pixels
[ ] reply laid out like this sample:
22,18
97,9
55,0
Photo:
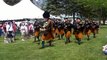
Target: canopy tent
23,9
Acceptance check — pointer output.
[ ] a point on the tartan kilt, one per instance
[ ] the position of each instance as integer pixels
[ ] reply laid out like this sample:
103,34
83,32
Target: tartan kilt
93,30
88,32
79,35
47,36
56,31
36,33
68,34
61,32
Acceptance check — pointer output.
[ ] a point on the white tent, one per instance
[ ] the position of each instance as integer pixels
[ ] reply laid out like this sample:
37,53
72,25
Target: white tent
24,9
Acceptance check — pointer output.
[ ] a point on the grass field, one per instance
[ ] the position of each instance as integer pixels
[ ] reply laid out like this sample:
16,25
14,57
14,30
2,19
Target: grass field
26,50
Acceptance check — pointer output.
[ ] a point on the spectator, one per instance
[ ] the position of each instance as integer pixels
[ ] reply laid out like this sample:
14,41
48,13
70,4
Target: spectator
10,32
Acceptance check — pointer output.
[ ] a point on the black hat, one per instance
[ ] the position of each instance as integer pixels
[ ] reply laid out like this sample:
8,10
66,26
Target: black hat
46,14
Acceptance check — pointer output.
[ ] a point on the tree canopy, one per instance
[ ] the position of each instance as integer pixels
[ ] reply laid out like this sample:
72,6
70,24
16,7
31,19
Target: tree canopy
86,8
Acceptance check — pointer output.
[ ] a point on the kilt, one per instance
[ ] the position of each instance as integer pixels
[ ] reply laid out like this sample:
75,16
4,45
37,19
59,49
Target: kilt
68,34
53,30
56,31
88,32
36,33
61,32
48,36
79,35
93,31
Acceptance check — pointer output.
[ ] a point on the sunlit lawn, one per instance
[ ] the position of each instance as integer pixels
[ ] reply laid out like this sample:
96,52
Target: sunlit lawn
26,50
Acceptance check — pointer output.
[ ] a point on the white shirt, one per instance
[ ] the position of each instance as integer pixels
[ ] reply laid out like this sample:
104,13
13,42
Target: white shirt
9,27
24,29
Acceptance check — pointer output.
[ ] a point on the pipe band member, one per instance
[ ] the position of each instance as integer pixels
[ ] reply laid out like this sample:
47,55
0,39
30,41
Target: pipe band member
56,28
47,30
67,30
78,30
94,28
87,29
60,30
36,32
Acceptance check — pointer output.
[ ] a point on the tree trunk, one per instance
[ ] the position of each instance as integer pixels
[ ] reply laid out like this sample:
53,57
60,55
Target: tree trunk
104,19
99,21
73,16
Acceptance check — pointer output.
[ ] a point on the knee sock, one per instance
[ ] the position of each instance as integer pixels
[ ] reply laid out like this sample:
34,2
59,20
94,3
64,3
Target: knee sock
38,40
68,39
79,41
94,35
62,36
88,37
43,44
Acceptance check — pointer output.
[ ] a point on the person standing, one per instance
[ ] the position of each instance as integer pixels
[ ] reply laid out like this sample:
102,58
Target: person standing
14,28
78,30
87,29
31,29
36,32
47,29
67,30
4,32
23,30
10,32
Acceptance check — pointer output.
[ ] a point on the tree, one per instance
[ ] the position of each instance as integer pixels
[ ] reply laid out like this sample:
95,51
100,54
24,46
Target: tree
92,9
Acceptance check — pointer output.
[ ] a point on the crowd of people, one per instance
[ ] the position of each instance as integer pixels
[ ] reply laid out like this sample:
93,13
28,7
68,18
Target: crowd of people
49,30
9,30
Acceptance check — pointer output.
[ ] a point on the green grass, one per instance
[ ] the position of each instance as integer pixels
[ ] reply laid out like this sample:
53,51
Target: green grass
89,50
